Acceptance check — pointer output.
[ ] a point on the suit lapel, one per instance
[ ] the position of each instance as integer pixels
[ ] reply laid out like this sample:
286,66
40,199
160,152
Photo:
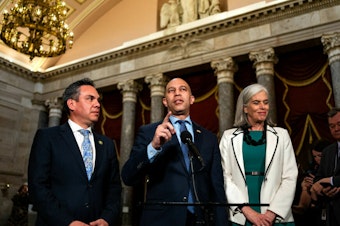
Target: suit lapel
99,144
271,145
174,143
197,134
71,144
237,143
199,143
336,159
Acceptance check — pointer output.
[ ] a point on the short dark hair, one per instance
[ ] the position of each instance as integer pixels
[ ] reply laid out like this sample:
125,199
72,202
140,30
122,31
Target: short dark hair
319,145
72,91
333,112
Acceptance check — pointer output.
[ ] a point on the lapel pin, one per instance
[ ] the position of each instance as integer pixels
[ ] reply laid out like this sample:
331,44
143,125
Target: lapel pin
198,131
100,142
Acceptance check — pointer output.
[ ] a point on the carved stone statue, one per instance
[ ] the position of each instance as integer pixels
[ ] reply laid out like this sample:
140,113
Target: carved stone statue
176,12
190,12
214,7
203,8
170,14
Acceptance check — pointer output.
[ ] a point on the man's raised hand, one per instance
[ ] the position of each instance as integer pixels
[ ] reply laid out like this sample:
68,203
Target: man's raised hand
163,132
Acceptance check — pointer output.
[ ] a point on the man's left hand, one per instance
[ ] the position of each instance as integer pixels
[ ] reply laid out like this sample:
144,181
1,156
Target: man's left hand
99,222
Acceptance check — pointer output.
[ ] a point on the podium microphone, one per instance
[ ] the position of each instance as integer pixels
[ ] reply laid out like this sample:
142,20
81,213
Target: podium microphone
186,138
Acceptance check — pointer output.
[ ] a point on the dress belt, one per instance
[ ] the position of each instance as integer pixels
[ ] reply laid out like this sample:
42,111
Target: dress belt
255,173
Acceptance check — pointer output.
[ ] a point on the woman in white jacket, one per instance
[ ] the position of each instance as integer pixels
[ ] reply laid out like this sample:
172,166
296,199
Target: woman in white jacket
259,165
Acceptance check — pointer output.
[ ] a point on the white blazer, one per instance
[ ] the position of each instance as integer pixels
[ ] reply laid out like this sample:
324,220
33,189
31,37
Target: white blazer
278,186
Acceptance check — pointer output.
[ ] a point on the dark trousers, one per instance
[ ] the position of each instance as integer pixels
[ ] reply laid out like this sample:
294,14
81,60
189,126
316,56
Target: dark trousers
191,219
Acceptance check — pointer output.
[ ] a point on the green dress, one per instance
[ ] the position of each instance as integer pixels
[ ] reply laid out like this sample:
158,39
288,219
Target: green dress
254,161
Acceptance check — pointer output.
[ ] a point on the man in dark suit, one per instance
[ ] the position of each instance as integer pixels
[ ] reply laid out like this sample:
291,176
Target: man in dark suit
327,179
62,192
171,183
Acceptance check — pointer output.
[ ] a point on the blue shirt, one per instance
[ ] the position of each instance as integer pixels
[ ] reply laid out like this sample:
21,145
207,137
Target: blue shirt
152,152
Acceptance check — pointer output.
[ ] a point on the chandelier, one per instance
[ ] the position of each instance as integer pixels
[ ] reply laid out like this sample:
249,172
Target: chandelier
37,28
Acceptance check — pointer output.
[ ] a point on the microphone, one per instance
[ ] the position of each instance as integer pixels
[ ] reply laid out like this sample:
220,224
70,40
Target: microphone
186,138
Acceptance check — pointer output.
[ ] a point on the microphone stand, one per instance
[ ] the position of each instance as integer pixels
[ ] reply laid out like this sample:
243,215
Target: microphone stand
207,217
207,208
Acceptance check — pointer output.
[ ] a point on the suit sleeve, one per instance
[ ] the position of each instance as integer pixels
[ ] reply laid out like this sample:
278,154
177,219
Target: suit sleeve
283,197
221,216
327,165
134,169
234,193
112,208
39,181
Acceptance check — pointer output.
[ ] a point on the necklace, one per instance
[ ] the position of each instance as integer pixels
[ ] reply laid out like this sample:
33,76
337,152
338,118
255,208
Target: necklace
249,140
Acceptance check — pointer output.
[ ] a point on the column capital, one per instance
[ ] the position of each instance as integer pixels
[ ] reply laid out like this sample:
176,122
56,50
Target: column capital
265,55
224,69
331,46
55,107
38,104
157,84
129,89
54,103
264,61
157,79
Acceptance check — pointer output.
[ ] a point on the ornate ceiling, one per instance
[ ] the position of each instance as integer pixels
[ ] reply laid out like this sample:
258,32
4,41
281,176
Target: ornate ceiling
81,15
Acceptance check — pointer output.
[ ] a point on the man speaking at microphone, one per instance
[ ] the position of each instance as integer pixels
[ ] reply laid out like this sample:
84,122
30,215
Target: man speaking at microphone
177,173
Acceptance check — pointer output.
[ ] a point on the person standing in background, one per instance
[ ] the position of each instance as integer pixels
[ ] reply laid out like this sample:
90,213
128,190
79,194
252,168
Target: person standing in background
173,174
259,164
73,172
304,213
326,187
19,214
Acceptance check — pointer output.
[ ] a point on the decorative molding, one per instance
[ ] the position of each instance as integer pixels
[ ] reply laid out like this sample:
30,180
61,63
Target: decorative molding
185,48
265,15
19,70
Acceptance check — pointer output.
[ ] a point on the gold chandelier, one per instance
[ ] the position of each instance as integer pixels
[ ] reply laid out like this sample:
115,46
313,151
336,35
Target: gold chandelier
37,28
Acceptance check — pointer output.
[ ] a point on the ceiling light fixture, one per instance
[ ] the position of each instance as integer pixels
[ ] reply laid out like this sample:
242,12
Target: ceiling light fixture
37,28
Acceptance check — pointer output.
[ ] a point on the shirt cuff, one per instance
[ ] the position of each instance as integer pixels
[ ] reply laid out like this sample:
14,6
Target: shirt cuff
152,153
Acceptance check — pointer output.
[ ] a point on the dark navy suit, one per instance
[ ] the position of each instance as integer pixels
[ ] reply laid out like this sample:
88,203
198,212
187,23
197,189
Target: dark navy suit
169,180
330,167
58,184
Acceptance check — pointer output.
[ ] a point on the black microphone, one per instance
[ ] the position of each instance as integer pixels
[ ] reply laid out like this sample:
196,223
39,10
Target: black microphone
186,138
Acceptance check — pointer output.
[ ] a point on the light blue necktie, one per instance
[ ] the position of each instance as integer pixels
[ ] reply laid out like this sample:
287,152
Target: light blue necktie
185,151
87,152
184,147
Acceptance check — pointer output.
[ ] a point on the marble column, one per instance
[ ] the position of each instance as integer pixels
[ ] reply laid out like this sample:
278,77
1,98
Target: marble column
129,89
264,61
55,107
42,120
157,87
331,43
225,70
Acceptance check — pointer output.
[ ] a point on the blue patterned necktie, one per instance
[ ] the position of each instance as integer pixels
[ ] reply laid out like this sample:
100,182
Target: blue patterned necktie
184,147
185,151
87,152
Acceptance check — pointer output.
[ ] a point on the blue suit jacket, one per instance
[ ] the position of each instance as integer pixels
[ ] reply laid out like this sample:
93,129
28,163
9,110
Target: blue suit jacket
58,185
169,180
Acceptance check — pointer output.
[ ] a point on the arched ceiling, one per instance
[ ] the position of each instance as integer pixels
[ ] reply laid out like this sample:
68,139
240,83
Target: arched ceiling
81,15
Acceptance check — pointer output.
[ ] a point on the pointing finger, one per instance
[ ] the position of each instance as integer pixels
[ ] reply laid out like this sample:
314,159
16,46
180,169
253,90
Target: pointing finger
166,119
166,123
